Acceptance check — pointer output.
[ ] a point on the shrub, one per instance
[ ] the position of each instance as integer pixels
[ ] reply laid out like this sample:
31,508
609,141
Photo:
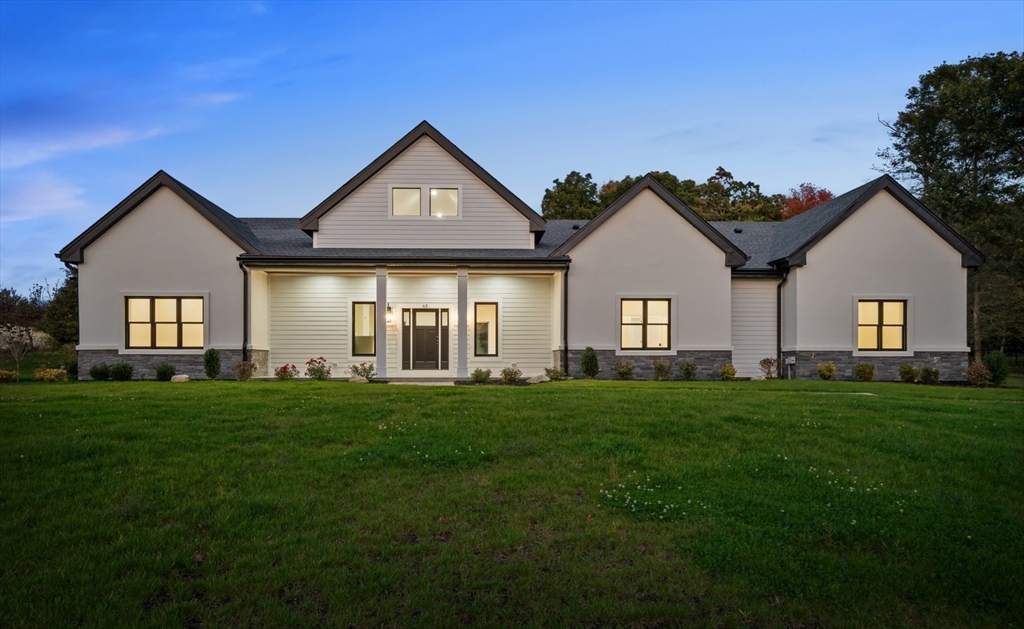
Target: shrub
908,374
727,372
865,372
121,371
826,371
929,375
211,363
286,372
480,376
624,369
588,363
554,374
978,374
44,374
511,374
8,376
165,372
998,366
363,370
100,372
688,370
663,370
71,363
769,368
317,369
244,370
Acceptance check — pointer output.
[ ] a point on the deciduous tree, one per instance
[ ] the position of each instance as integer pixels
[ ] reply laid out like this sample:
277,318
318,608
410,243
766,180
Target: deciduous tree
572,199
805,197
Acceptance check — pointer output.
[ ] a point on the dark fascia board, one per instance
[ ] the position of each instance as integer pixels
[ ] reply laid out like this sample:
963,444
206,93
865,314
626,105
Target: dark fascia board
734,257
757,273
311,221
969,256
74,252
258,260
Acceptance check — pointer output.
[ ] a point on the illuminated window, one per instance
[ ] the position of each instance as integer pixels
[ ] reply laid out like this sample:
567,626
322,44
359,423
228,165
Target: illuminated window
444,202
645,324
882,325
164,322
485,329
364,326
405,201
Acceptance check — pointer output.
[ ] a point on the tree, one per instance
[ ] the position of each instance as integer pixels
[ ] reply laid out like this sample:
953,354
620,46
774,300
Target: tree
805,197
959,145
61,318
18,316
723,198
685,189
572,199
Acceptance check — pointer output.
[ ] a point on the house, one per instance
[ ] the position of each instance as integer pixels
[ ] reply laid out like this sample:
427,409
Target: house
427,267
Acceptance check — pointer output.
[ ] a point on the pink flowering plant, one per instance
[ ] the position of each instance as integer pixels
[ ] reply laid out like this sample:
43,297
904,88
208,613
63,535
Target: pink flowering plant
317,368
286,372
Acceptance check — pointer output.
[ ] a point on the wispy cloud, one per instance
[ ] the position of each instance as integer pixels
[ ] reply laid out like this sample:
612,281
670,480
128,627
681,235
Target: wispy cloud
36,196
215,98
16,152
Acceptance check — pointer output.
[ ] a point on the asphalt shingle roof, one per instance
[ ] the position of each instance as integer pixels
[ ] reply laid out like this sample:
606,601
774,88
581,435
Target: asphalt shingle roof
755,239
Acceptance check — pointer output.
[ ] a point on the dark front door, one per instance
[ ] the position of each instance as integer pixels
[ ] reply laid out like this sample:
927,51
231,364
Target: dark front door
426,334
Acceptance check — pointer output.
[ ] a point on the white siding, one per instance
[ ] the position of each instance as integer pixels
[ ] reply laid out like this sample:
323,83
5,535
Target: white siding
422,291
753,325
362,220
524,321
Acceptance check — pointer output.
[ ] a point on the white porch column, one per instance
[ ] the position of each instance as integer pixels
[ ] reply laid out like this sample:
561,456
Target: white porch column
463,334
381,330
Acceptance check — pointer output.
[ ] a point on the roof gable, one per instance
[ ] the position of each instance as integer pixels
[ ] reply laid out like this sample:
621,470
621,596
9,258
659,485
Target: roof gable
233,228
311,221
733,255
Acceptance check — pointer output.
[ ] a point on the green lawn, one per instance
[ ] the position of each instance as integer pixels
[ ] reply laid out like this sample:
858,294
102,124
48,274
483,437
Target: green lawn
568,504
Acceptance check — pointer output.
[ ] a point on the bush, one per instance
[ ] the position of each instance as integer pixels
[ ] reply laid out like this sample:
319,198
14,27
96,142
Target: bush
978,374
588,363
998,366
511,374
769,368
865,372
286,372
929,375
826,371
480,376
554,374
122,371
317,369
624,369
663,370
727,372
71,363
688,370
244,370
211,363
8,376
363,370
100,372
44,374
165,372
908,374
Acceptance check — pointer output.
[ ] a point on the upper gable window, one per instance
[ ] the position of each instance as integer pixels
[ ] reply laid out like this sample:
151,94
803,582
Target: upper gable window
425,201
405,201
444,202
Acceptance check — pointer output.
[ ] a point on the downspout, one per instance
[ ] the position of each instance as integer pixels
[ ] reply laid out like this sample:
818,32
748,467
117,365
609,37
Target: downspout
72,268
778,321
565,321
245,311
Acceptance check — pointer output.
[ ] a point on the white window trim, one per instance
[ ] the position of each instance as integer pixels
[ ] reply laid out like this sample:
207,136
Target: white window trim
121,349
673,325
909,314
424,201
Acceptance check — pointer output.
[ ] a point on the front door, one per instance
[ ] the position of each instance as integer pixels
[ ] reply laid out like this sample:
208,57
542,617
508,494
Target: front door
425,338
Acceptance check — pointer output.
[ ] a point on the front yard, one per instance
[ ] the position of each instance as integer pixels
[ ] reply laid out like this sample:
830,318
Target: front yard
566,504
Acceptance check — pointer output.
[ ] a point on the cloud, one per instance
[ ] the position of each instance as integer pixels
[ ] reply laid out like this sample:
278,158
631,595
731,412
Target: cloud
215,98
259,8
16,152
37,196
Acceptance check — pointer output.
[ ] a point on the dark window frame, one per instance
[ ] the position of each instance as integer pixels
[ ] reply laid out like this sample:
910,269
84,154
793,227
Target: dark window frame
153,322
497,316
353,335
881,325
644,325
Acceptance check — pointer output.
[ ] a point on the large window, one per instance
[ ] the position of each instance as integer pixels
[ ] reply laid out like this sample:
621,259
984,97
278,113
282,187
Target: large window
364,325
645,324
882,325
485,329
425,201
164,322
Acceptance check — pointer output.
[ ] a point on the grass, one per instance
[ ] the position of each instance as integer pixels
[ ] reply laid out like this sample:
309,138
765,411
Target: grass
568,504
32,361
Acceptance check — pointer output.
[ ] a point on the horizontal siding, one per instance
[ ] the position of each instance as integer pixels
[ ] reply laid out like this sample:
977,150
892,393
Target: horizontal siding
362,220
417,291
753,325
524,321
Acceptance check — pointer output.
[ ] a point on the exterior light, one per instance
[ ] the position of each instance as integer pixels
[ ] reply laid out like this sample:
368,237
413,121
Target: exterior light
390,315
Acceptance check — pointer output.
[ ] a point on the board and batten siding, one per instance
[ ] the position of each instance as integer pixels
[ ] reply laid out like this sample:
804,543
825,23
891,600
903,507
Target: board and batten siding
362,220
309,317
754,317
524,321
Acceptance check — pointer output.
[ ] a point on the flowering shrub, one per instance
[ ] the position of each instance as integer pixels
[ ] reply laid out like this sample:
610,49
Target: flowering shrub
317,369
727,372
769,368
8,376
100,372
511,374
244,370
44,374
624,369
688,370
363,370
554,374
480,376
122,371
286,372
865,372
978,374
588,363
826,371
929,375
662,370
165,372
908,374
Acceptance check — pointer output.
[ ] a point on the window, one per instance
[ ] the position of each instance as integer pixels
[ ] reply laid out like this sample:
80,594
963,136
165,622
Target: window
444,202
364,326
645,324
882,325
411,201
485,329
405,201
164,322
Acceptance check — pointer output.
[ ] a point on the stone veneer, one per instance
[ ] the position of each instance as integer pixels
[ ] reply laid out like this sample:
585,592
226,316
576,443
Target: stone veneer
708,363
952,366
189,364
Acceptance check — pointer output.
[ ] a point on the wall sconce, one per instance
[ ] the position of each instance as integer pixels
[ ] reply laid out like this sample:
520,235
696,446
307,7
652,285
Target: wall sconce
390,315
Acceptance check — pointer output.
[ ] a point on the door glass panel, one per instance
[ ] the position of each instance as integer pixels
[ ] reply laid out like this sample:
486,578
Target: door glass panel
632,311
867,312
632,336
426,318
166,310
444,318
138,311
657,312
657,336
892,337
892,313
867,337
167,335
444,201
405,201
192,310
139,335
192,335
405,317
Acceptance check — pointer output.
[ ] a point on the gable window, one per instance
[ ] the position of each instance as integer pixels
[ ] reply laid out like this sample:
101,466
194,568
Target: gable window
882,325
412,201
164,322
485,329
444,202
645,324
405,201
364,326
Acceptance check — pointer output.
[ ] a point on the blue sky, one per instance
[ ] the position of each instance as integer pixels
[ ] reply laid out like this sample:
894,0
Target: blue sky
266,108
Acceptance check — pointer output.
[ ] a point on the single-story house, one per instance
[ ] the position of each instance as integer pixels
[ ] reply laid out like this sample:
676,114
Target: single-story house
427,267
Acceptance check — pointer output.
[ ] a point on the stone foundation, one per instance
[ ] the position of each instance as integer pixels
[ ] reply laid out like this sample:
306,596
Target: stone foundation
708,363
146,364
262,359
952,366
